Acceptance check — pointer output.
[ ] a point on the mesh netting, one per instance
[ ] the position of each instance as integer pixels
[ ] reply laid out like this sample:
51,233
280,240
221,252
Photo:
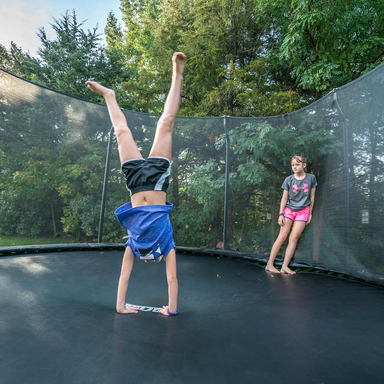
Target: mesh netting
52,159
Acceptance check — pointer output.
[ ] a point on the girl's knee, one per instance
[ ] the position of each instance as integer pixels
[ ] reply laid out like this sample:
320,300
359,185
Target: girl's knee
283,236
293,238
121,132
165,123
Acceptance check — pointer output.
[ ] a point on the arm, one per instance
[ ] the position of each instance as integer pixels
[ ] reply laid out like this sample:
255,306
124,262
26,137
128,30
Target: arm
283,203
126,270
173,287
313,191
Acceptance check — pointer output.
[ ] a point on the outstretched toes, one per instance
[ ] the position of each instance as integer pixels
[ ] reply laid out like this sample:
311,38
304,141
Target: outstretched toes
178,59
99,89
179,56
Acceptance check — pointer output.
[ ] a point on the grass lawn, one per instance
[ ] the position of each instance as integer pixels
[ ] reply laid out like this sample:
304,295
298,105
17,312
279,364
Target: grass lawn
9,241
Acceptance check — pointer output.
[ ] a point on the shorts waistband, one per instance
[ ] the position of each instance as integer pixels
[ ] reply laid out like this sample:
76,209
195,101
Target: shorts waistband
142,188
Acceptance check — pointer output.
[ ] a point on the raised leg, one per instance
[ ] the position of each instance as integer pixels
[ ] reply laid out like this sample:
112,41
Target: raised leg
162,145
298,228
127,147
284,231
173,286
126,269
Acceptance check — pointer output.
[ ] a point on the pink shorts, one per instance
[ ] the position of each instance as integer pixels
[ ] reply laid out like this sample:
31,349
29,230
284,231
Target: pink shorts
297,215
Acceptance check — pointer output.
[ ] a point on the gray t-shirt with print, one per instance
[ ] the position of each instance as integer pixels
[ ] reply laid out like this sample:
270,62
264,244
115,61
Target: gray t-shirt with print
299,191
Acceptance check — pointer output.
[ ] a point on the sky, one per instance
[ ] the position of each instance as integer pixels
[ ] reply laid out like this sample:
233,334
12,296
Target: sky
20,19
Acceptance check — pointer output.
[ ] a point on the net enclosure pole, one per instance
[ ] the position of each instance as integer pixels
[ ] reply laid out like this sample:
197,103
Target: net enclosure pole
105,183
346,182
225,229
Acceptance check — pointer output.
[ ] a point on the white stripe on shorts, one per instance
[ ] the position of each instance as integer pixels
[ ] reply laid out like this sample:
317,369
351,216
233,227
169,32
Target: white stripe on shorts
161,181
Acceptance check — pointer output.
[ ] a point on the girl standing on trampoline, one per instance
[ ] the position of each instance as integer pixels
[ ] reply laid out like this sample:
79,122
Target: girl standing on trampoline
146,216
295,208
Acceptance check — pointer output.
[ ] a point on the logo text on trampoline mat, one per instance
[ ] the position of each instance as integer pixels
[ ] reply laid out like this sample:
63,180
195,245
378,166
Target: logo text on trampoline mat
144,308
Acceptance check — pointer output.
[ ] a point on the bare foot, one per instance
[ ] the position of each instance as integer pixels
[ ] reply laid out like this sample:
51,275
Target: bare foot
164,311
127,310
271,268
178,59
98,88
287,270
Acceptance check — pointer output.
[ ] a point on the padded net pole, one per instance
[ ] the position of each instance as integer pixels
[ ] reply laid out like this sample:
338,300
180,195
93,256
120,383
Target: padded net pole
346,184
102,209
225,240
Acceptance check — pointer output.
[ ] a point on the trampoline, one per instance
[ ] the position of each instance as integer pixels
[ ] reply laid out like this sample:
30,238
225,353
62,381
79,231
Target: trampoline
236,323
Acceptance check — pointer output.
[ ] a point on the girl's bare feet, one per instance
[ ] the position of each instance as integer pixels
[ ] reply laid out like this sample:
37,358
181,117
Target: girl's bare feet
98,88
271,268
127,309
178,59
287,270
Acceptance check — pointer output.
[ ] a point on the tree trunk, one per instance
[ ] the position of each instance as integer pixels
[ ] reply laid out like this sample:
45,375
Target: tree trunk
53,219
230,226
244,220
287,75
216,229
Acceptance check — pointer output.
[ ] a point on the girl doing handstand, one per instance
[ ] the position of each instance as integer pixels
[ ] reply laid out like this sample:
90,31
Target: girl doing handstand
146,216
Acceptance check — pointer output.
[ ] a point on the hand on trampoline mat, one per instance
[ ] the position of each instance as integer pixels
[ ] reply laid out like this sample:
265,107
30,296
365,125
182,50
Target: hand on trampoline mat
165,311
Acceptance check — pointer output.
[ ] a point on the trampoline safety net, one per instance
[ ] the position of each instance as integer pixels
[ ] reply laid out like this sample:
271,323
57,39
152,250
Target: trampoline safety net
52,159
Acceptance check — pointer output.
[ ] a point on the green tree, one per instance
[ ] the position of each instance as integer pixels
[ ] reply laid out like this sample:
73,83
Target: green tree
14,60
228,72
324,44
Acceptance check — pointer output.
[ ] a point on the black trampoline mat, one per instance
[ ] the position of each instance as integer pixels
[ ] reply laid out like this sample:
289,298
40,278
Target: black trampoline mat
236,323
